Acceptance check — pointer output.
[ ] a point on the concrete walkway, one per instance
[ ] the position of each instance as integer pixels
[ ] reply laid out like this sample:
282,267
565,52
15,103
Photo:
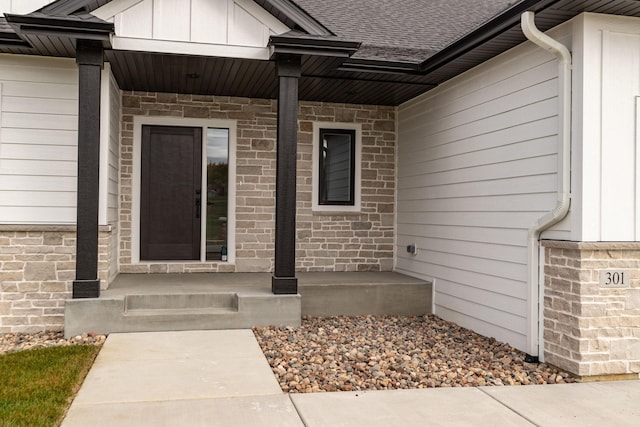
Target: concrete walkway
221,378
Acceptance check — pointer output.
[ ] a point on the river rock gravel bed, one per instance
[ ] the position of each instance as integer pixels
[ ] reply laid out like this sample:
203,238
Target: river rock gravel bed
11,342
390,352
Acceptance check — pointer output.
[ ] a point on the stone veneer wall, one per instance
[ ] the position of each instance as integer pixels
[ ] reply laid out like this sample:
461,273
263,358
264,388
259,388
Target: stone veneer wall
358,242
362,241
37,268
589,329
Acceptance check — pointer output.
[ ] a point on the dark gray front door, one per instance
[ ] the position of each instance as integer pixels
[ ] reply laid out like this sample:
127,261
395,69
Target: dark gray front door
170,193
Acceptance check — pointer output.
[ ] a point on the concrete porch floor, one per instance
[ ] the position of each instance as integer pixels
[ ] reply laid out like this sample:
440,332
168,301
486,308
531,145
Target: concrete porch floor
171,302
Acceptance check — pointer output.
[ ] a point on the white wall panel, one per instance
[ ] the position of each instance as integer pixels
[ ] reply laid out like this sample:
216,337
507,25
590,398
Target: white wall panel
229,28
209,21
136,21
477,165
22,6
607,76
246,30
171,20
620,86
38,139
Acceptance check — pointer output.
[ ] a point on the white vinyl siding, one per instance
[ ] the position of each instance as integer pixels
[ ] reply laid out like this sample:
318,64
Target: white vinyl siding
38,140
477,164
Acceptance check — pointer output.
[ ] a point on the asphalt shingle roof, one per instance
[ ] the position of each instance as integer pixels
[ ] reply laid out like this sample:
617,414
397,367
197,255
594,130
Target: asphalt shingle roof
402,30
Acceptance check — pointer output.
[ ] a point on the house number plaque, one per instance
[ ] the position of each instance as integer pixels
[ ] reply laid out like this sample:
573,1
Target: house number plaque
614,278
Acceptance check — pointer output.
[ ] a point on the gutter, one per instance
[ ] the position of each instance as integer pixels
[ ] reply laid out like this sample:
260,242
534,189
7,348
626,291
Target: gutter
484,33
300,44
564,174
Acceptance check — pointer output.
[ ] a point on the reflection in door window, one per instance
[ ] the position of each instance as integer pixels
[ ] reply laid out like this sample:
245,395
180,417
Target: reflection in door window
217,194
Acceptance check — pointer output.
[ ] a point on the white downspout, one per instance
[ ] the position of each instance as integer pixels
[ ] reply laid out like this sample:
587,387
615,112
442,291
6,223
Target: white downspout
564,170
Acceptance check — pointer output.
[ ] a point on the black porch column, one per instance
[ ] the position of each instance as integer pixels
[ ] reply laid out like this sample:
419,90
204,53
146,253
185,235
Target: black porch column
284,279
89,57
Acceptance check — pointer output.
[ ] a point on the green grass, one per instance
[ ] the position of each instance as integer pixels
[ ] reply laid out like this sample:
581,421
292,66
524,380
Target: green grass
37,386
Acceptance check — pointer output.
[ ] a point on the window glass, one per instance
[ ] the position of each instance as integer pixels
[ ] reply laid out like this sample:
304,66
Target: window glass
337,167
217,193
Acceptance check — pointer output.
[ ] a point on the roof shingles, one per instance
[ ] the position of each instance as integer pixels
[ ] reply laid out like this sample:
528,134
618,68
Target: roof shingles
404,30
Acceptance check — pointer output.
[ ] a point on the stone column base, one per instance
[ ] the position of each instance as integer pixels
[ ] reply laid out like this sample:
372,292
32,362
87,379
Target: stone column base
592,307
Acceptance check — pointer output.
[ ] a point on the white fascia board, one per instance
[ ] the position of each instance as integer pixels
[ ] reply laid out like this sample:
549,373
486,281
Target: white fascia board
189,48
111,9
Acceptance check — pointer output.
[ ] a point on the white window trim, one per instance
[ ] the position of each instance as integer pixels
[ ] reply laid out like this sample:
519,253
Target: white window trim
315,207
138,122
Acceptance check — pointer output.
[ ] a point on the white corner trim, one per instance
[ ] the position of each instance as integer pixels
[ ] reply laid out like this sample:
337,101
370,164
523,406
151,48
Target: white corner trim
190,48
105,126
315,207
111,9
637,165
1,120
138,122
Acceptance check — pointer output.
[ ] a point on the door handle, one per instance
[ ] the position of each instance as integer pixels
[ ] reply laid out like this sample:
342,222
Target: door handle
198,204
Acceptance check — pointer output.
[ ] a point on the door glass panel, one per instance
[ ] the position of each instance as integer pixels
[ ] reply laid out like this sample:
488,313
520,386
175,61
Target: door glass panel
217,195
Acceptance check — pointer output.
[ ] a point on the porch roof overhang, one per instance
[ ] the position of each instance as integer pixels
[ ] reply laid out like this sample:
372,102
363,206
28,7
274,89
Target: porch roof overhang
48,34
330,71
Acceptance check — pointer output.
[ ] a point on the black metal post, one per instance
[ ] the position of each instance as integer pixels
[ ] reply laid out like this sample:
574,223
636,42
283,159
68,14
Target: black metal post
284,279
89,58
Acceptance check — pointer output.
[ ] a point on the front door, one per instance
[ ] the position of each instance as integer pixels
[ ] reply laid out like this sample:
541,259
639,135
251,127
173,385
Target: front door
170,193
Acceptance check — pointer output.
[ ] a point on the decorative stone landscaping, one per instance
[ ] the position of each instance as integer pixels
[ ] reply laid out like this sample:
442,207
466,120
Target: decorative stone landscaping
387,352
23,341
367,353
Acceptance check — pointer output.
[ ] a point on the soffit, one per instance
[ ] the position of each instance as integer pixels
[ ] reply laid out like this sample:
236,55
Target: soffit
151,72
324,78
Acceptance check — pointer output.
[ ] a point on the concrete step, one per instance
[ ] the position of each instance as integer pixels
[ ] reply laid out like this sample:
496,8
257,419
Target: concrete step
197,301
365,294
179,312
190,301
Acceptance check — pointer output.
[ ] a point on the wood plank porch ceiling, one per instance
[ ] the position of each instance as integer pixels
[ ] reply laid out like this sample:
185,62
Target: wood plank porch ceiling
152,72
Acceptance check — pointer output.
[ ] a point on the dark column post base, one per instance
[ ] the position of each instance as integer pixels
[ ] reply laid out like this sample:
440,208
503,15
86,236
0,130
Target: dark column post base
86,289
284,285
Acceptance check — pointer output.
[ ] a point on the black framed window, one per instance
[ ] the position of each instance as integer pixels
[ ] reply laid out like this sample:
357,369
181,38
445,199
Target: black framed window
337,168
